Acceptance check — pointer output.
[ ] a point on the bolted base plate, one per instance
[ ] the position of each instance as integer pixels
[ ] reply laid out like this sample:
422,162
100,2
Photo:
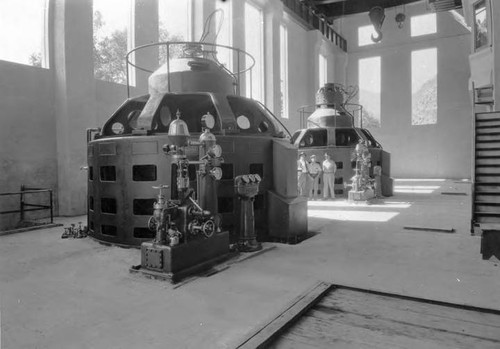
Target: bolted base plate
176,262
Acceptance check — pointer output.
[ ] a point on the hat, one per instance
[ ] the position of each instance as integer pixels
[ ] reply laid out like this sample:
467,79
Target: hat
304,154
313,156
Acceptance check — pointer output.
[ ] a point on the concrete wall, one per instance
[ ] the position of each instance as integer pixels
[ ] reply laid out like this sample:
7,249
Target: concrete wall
27,143
441,150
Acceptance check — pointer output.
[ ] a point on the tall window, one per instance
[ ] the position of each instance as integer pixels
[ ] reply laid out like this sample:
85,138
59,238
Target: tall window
23,26
424,87
423,25
323,70
365,35
254,44
284,71
174,25
369,90
112,20
223,27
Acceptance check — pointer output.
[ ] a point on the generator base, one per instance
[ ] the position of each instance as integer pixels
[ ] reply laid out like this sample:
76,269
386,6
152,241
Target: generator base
176,262
360,195
287,217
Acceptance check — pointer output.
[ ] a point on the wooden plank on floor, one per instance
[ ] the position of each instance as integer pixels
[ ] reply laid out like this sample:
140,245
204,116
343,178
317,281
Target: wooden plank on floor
439,230
324,334
349,318
270,329
426,319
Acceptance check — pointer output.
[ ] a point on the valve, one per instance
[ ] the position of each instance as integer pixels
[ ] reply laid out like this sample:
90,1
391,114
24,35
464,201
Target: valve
208,228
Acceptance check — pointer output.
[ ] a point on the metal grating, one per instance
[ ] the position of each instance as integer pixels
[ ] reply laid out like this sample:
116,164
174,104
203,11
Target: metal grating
444,5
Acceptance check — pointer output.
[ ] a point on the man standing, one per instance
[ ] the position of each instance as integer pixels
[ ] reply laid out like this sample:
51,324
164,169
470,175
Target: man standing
315,170
329,168
302,170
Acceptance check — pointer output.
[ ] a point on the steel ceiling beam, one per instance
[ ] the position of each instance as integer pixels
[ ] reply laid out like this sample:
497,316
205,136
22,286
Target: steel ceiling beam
334,8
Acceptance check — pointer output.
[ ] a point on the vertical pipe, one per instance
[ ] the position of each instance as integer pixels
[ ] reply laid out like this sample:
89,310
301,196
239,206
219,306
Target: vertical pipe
168,65
239,74
128,82
361,118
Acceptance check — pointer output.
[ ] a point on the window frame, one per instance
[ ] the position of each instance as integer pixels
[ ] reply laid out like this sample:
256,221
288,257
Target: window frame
284,71
129,71
322,70
259,61
488,43
45,47
427,54
414,18
379,59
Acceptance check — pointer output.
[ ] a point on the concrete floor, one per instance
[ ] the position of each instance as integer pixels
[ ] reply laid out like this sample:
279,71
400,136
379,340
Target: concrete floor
57,293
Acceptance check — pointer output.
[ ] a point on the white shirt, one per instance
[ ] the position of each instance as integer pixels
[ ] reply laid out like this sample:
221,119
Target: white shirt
329,166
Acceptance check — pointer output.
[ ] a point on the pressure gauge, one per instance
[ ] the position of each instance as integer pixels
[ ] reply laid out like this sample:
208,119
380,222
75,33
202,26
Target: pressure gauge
117,128
216,173
215,151
243,122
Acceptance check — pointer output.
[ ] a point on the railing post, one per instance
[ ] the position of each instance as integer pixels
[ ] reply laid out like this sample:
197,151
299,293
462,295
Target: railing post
168,66
239,74
51,208
21,203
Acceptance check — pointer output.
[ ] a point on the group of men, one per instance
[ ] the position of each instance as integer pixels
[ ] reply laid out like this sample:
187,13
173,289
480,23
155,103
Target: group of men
309,173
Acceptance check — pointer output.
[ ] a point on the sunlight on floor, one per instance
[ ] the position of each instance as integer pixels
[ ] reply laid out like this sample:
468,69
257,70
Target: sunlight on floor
416,189
357,216
345,203
419,180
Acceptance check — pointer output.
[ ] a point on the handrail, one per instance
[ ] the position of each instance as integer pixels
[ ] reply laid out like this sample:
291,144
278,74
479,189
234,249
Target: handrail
236,74
304,113
36,207
312,19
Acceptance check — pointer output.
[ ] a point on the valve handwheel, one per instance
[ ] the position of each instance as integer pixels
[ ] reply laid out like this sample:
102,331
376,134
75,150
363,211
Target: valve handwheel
208,228
152,224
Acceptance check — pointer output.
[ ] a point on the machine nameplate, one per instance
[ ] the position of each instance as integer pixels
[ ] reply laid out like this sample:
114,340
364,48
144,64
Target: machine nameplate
107,148
153,258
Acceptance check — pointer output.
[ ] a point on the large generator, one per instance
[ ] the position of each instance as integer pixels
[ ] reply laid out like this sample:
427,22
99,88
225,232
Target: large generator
331,128
128,160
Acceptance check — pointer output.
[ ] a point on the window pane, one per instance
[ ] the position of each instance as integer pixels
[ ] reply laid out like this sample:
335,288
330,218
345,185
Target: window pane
480,25
424,87
369,91
174,25
284,71
423,25
111,22
224,37
254,46
323,71
23,32
257,118
365,35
